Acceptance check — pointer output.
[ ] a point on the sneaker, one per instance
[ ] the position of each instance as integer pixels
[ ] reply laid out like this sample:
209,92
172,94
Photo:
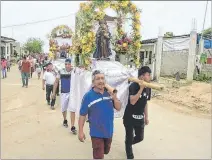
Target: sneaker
73,130
48,103
52,107
65,123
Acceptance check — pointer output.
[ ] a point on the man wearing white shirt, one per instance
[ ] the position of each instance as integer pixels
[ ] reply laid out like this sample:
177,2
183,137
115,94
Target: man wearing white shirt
49,78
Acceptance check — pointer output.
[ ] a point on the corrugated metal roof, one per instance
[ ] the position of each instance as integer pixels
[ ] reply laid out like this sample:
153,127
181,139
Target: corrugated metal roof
153,40
7,39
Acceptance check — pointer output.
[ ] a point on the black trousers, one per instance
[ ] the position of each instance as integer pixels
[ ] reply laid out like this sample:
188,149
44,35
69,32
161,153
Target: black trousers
130,139
49,90
8,69
58,91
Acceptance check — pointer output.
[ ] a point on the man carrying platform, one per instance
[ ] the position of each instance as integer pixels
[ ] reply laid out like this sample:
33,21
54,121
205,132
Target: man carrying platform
64,76
99,105
136,112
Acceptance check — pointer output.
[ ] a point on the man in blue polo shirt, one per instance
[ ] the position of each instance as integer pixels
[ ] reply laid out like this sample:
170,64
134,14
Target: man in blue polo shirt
65,76
99,105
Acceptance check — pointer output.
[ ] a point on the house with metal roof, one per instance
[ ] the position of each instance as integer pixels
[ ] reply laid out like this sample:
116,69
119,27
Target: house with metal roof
174,53
7,47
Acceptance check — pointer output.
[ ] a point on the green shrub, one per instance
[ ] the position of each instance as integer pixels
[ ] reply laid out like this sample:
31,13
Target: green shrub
203,77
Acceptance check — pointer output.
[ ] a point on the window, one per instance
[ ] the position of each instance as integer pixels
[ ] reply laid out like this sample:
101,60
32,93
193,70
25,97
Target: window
7,50
146,54
142,55
150,57
141,58
2,51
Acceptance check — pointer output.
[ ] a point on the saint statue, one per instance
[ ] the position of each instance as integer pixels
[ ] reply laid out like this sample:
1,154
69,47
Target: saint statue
103,50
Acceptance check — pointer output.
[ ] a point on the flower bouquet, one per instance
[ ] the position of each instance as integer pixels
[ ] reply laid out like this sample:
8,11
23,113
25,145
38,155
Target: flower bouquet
123,45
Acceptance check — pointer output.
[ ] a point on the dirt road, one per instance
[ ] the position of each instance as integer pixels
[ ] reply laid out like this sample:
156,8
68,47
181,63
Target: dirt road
29,129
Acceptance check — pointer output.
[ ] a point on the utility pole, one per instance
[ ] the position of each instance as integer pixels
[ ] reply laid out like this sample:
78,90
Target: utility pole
159,53
12,32
192,52
201,41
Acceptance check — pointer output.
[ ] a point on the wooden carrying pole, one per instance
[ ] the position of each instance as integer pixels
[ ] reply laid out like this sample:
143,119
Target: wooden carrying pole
149,85
110,89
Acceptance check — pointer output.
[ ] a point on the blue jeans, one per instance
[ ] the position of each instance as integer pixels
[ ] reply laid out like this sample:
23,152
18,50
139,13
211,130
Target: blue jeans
4,74
25,77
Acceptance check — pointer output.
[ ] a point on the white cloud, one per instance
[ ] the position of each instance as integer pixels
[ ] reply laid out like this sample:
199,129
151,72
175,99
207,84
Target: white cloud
174,16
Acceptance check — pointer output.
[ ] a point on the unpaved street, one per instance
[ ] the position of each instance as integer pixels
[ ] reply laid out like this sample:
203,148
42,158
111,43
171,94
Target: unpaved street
29,129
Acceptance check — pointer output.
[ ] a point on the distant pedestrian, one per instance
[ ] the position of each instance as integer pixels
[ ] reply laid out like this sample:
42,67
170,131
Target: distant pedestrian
38,69
19,64
3,68
49,78
25,71
8,65
32,65
44,64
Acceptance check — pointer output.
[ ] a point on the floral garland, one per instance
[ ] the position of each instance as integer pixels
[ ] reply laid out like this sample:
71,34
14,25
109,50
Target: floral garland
67,32
86,17
64,32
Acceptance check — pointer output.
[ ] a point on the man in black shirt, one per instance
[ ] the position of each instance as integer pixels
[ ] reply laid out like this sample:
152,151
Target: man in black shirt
136,112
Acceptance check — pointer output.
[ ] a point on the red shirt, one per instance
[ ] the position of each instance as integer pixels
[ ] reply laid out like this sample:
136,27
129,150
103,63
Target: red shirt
4,64
25,67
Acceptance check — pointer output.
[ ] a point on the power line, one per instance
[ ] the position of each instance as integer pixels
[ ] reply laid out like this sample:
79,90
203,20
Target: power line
28,23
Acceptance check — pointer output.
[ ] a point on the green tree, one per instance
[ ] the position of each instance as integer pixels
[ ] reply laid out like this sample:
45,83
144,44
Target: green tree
168,34
207,32
34,45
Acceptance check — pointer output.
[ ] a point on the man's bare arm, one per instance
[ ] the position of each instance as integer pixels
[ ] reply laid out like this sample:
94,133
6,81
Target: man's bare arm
146,111
134,98
55,85
146,118
81,123
117,104
81,134
43,84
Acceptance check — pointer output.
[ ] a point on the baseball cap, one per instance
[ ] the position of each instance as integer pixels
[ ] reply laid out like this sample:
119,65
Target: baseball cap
68,60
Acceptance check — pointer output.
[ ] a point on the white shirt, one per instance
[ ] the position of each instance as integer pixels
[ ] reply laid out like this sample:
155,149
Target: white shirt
35,60
49,77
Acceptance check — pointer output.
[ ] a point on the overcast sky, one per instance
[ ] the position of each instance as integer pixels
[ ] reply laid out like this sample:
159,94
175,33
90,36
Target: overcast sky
174,16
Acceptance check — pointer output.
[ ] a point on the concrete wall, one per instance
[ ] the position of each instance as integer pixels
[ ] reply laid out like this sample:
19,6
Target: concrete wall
173,62
207,70
17,47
